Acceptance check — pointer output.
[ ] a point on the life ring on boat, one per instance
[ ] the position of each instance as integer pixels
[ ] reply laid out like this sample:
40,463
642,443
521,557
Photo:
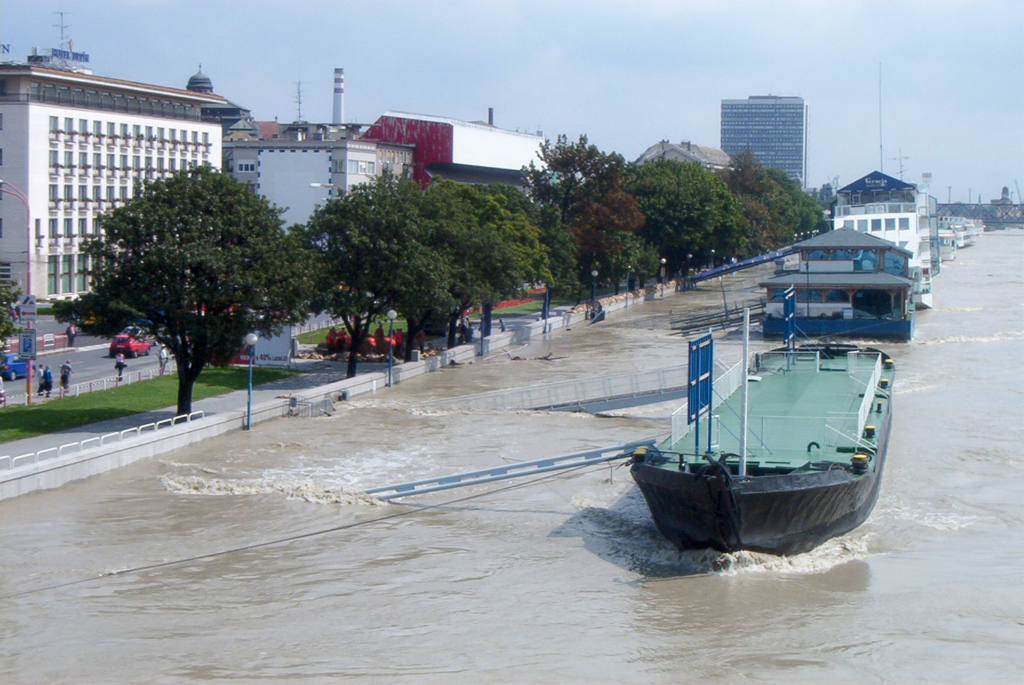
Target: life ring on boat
812,444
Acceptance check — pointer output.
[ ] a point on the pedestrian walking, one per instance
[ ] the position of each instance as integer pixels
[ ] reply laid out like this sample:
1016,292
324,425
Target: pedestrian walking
65,377
164,357
119,365
3,393
71,332
47,380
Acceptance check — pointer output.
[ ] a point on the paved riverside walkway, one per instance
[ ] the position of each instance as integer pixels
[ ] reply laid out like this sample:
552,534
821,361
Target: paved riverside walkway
51,460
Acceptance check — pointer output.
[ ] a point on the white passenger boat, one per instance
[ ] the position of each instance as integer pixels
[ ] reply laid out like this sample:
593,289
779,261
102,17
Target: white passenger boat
897,211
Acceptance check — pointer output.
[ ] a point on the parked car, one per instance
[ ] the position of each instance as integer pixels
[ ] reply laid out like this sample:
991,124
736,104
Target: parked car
13,367
129,344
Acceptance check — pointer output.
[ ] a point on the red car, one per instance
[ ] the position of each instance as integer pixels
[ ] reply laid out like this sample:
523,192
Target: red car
129,345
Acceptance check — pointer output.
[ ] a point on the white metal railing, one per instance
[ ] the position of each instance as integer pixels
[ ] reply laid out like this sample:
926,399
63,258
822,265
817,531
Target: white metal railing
569,392
869,395
100,384
7,462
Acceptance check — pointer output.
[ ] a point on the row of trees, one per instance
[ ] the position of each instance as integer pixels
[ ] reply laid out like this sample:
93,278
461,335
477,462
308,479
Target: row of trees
198,261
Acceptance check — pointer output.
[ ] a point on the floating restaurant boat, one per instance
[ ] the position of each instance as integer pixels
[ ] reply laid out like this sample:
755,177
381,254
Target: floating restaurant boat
799,462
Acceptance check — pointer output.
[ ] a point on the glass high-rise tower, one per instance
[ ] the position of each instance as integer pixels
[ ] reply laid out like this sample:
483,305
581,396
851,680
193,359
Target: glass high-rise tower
773,129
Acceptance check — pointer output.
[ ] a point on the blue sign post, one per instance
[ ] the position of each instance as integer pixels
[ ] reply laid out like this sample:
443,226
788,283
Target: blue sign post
699,386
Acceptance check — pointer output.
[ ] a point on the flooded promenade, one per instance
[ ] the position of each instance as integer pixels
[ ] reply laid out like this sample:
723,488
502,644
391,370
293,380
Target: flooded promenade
252,557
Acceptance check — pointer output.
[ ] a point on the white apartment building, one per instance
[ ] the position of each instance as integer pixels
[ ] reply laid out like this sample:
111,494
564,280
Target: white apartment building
72,146
307,164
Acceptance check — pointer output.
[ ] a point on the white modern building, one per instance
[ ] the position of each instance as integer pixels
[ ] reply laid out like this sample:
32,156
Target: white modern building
306,164
72,146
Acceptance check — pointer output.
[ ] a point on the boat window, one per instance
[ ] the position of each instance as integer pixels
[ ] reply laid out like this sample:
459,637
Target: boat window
890,223
778,294
808,296
841,255
837,296
816,254
895,264
862,225
865,260
904,223
848,223
876,224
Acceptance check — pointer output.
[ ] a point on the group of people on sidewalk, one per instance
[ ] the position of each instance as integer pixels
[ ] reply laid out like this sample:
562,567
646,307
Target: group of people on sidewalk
46,378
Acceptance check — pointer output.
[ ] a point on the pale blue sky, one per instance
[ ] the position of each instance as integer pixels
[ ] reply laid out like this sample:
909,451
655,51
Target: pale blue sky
627,74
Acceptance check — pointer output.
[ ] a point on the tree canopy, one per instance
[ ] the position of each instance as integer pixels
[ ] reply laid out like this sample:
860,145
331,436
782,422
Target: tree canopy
197,261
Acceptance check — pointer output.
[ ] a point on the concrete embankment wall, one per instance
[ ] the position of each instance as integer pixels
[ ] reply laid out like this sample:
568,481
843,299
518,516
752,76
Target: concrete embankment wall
56,466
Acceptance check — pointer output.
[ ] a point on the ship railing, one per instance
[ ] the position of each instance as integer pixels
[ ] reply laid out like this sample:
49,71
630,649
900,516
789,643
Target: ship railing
863,358
724,386
772,436
768,362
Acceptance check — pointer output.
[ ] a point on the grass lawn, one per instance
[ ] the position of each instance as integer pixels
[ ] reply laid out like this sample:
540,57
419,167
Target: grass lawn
20,422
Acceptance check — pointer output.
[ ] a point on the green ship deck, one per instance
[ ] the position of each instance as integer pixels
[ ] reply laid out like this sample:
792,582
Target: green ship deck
803,407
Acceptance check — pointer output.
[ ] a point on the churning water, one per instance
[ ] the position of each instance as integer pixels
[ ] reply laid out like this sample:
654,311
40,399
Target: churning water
257,557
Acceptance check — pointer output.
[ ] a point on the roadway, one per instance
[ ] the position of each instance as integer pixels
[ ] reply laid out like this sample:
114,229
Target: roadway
89,360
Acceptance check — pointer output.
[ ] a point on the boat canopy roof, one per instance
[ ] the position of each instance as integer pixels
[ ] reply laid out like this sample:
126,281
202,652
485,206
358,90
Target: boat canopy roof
850,239
876,181
802,280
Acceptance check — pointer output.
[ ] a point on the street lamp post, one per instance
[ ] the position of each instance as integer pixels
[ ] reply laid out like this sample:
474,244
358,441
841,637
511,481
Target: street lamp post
250,342
392,315
689,259
629,272
593,294
712,257
661,271
11,190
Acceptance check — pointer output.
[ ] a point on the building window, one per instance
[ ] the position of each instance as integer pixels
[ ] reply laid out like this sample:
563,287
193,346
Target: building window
54,162
69,125
66,273
83,125
1,227
124,161
904,223
160,133
110,128
54,229
53,192
110,193
137,130
83,159
173,164
160,163
149,161
136,162
69,158
69,192
97,192
51,274
69,228
53,124
206,138
353,166
124,130
124,192
83,227
110,160
82,271
173,134
83,192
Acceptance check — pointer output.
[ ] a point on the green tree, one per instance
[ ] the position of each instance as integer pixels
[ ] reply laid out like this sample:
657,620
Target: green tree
8,296
198,261
587,187
374,252
775,207
491,243
688,210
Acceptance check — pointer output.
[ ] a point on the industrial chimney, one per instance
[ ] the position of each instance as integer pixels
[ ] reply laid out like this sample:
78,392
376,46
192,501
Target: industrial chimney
338,115
490,116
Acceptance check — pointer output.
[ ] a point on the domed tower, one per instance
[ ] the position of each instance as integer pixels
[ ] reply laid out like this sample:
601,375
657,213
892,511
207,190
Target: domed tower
200,82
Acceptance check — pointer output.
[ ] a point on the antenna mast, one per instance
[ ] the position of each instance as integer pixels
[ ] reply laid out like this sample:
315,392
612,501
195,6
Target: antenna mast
298,98
899,160
881,155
